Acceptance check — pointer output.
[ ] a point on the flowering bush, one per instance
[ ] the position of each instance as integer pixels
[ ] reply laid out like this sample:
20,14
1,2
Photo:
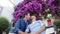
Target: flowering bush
36,6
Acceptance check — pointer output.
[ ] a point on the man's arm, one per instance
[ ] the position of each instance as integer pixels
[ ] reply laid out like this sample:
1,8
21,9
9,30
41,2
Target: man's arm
20,32
17,26
41,30
27,30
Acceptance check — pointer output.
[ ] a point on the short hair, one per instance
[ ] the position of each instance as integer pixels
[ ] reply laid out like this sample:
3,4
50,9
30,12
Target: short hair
26,14
33,14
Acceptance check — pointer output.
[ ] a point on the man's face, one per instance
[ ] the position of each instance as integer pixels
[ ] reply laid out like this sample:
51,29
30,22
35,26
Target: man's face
33,17
28,16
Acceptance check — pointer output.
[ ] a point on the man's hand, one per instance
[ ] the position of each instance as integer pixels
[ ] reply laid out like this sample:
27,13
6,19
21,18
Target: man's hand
26,33
34,33
20,32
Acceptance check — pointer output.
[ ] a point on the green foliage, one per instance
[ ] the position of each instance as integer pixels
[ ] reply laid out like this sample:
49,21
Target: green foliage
4,24
57,23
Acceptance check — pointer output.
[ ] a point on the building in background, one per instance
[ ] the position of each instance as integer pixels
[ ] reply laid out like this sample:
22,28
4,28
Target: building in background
8,8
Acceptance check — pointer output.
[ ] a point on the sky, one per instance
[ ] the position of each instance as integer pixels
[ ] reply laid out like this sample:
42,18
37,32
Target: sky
16,1
7,2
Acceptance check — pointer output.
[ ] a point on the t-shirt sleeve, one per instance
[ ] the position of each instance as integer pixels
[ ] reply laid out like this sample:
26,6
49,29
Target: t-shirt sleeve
27,30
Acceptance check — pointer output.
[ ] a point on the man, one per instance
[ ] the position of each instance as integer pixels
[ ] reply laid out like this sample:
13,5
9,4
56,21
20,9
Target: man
21,24
35,26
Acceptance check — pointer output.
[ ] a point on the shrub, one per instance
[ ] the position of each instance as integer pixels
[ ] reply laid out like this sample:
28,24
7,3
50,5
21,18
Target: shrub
4,24
57,23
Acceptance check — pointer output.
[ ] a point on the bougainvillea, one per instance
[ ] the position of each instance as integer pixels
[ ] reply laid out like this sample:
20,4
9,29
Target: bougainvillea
36,6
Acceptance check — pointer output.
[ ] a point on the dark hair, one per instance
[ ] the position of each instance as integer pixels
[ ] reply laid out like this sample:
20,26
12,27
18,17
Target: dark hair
26,14
33,14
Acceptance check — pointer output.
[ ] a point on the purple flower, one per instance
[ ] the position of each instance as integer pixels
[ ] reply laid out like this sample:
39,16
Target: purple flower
34,6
